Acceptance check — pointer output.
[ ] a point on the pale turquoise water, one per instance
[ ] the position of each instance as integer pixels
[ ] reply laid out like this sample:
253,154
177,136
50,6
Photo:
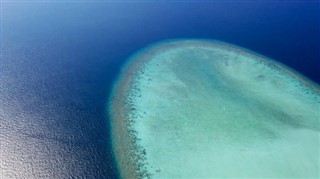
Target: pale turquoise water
59,60
209,109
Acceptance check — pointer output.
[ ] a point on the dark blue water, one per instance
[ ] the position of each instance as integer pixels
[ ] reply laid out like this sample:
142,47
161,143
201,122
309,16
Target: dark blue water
59,61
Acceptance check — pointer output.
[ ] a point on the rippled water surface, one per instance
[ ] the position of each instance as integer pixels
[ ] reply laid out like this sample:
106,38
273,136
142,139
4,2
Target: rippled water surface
59,61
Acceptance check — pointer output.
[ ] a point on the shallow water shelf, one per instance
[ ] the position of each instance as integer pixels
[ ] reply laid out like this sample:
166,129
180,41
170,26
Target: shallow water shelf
207,109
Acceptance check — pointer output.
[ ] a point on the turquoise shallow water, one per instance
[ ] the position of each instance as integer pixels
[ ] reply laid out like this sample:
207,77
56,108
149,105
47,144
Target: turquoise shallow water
60,59
196,108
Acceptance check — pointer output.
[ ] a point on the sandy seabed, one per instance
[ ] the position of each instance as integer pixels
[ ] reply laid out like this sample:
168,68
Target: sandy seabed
200,108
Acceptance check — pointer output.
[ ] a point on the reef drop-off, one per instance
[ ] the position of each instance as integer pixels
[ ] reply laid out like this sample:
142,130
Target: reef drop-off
201,108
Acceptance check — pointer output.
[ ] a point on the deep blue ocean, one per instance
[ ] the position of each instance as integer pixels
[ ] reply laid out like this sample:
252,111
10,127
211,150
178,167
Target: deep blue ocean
59,61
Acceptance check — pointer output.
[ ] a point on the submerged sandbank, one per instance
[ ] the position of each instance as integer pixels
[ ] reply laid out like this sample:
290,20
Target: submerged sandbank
197,108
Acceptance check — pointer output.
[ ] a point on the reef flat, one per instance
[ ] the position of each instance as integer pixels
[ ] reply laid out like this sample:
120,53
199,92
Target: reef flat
200,108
